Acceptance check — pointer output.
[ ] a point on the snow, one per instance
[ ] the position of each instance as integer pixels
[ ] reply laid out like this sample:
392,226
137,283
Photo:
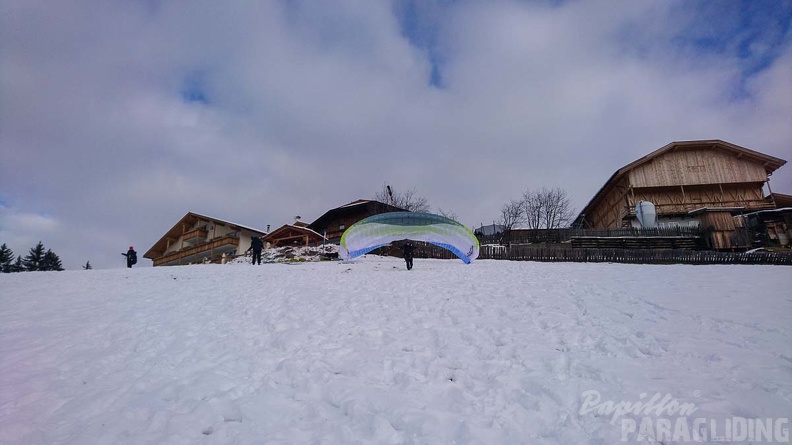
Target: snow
331,352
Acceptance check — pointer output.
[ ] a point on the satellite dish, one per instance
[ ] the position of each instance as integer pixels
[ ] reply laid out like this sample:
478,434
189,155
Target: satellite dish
647,214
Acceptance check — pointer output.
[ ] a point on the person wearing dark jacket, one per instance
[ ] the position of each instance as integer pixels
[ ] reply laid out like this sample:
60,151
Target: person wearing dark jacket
408,254
131,256
256,244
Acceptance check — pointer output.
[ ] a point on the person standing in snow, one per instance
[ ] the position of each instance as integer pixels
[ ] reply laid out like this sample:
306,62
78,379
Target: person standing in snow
131,256
408,254
256,244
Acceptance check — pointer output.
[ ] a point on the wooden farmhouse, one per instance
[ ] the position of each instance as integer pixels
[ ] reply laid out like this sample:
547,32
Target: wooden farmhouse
692,184
297,235
333,223
200,239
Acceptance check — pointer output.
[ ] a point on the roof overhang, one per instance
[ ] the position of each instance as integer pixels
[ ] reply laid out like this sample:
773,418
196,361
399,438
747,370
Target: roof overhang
701,210
772,211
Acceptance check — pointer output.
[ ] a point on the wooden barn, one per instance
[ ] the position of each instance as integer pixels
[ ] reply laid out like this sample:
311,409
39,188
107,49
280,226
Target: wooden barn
199,239
692,184
333,223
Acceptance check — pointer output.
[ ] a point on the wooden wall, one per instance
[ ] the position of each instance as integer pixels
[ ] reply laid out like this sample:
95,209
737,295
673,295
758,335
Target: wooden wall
611,208
689,167
684,199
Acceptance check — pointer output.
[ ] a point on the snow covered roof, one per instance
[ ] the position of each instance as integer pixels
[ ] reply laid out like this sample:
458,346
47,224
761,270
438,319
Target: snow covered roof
302,229
356,202
229,223
763,212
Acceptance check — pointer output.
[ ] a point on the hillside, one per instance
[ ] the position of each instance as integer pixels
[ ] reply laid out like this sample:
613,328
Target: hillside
367,352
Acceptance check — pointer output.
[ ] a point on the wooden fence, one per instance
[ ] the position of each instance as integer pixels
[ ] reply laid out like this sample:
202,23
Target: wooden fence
527,236
571,254
635,256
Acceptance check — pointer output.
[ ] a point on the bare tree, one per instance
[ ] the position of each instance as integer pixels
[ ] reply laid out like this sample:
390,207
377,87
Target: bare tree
511,214
558,209
547,208
408,200
533,208
448,214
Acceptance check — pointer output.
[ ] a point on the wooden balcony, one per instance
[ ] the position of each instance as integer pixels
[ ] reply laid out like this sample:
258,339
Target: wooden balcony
196,236
212,250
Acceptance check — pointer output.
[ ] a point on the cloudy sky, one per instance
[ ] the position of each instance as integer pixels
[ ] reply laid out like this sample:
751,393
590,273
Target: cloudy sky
118,117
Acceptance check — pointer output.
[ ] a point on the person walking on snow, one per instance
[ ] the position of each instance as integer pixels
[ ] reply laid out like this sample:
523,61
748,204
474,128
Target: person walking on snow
256,244
131,256
408,254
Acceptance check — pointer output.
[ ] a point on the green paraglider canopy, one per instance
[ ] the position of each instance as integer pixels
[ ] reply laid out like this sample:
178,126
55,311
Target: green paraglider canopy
385,228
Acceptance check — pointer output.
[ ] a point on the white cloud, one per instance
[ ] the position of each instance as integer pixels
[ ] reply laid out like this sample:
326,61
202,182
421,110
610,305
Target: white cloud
309,106
21,231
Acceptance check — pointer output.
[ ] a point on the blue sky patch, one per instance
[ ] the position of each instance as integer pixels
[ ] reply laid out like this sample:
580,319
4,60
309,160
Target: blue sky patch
419,23
751,31
193,88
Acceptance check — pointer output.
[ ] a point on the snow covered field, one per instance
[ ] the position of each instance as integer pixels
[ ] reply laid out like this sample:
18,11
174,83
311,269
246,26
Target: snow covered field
494,352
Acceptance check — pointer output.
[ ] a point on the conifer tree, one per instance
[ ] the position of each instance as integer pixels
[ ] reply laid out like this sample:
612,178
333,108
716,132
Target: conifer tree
6,256
33,261
19,265
51,261
87,266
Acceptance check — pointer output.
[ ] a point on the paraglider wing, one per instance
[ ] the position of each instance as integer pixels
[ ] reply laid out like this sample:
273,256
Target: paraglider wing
385,228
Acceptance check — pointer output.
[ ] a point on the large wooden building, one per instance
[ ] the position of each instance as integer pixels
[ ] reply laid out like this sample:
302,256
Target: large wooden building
333,222
691,183
199,239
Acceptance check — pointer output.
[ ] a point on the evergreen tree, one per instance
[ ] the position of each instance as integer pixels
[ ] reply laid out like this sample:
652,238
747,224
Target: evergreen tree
51,261
19,265
6,256
33,261
87,266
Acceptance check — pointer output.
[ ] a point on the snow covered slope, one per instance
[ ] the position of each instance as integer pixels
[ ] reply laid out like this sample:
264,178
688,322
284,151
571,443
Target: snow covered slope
494,352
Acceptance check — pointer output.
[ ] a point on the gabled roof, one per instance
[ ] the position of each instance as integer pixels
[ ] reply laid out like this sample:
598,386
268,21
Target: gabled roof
770,163
189,219
491,229
293,228
359,205
356,202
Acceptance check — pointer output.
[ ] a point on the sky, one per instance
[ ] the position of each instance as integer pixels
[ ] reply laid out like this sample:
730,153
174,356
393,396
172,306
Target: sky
117,118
